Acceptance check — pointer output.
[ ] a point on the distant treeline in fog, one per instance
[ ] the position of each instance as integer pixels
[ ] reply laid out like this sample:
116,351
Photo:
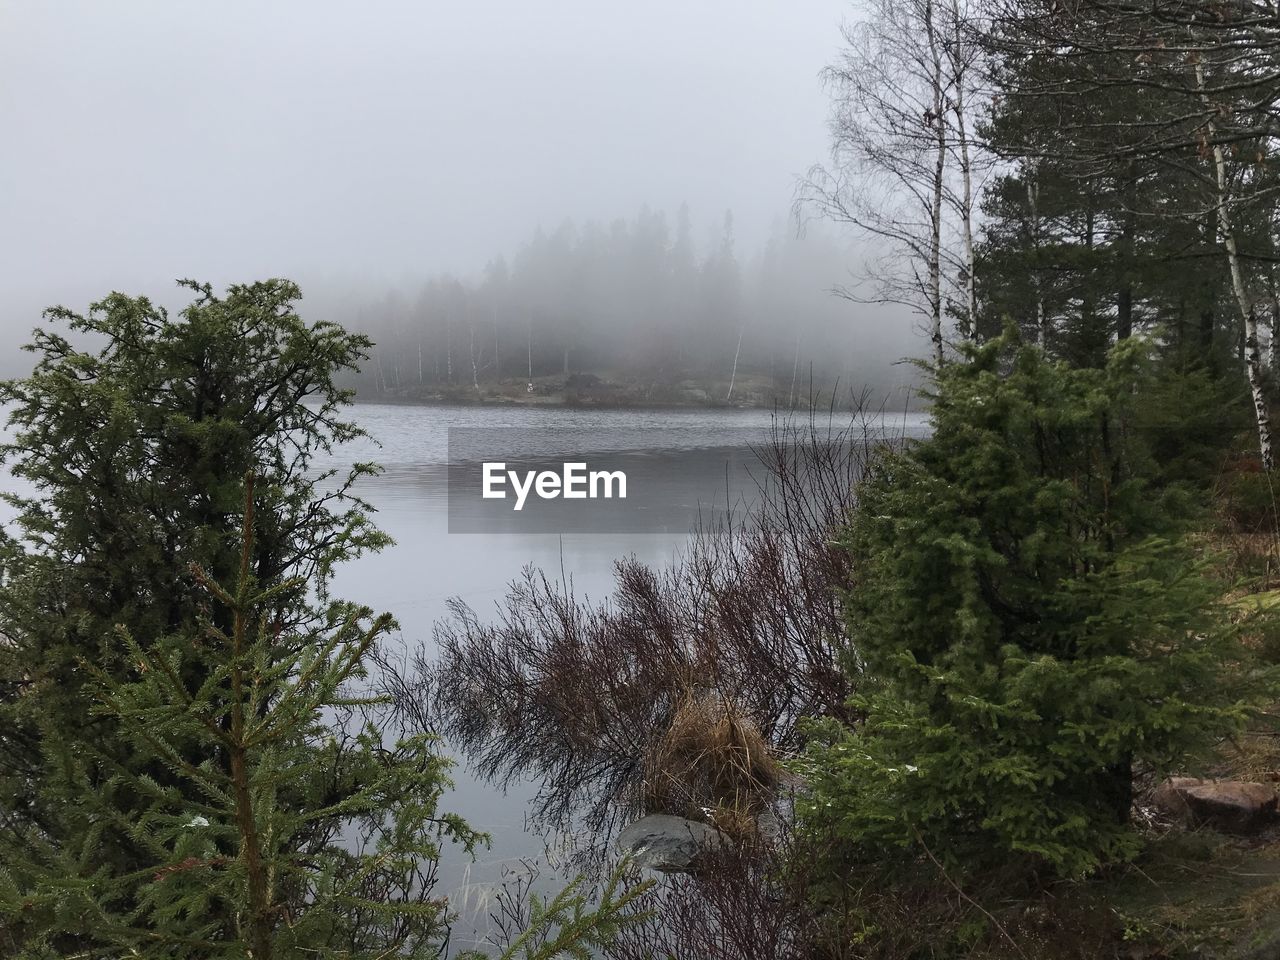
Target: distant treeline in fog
638,307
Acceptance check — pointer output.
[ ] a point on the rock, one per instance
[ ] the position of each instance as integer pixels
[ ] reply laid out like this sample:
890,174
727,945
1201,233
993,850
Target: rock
671,844
1233,806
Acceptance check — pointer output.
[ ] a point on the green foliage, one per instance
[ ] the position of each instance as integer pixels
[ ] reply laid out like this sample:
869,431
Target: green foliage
132,437
1028,625
1190,419
133,447
280,832
573,923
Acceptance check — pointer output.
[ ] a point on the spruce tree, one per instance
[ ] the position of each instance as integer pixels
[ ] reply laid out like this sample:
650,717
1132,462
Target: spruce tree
1028,626
229,860
133,433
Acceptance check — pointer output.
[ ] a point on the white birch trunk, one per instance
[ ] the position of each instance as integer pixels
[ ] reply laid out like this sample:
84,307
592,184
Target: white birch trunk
1275,333
1252,353
475,373
734,374
935,213
966,173
795,368
1033,203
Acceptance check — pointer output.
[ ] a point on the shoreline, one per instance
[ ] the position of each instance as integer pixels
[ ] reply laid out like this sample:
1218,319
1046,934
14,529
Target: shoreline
566,403
621,400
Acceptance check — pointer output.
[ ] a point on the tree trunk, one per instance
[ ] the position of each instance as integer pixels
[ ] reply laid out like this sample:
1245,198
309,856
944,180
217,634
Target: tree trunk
966,172
250,845
1091,343
1206,331
497,355
795,367
935,234
1124,297
1124,312
1033,206
1275,335
734,374
1252,353
448,349
475,373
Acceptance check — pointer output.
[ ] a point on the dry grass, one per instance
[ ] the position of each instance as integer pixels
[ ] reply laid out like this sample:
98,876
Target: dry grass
593,699
711,761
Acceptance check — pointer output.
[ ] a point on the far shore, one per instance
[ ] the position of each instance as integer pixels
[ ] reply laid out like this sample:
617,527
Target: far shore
587,391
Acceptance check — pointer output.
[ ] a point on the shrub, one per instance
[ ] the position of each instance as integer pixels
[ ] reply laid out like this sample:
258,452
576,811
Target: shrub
710,754
587,697
1027,625
133,441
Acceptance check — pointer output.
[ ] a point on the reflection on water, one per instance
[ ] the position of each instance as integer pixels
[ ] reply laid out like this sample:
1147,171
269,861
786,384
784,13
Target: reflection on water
427,566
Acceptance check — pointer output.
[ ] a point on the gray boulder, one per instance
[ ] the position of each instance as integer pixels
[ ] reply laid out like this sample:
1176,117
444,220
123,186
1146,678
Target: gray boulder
670,844
1232,806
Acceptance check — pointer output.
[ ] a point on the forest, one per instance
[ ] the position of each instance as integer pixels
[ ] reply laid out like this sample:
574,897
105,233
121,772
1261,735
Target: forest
641,306
1008,689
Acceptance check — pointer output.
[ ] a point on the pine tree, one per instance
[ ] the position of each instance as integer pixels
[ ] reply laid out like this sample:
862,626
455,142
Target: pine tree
135,430
1027,624
1146,131
230,863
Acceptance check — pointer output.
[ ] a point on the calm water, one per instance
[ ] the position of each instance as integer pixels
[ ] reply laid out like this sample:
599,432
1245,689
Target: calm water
427,565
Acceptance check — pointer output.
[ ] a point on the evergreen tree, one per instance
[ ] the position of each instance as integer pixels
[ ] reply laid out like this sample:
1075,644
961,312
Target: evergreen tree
229,862
1027,624
1159,121
134,440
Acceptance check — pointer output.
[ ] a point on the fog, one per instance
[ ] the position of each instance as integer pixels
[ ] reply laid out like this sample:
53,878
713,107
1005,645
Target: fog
365,149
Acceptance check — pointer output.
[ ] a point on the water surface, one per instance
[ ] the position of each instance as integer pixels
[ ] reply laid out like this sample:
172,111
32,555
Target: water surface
427,566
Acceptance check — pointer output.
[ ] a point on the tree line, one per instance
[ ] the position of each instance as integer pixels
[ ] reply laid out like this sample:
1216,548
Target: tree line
1085,169
634,298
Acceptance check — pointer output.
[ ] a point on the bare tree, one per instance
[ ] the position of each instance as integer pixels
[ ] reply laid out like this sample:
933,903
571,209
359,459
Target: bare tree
1226,227
905,93
961,58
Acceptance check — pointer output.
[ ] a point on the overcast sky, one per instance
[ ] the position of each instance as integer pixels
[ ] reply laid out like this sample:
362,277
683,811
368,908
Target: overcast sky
381,141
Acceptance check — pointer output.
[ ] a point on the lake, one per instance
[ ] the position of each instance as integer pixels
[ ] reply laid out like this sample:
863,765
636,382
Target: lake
428,565
687,464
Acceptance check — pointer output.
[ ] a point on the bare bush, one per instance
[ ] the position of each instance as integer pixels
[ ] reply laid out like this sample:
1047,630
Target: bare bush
590,697
739,907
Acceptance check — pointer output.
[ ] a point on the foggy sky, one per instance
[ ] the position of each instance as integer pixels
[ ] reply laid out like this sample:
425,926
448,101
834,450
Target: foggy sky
377,142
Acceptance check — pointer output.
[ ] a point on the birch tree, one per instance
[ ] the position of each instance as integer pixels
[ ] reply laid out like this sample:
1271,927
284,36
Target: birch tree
903,158
1226,226
961,57
1174,105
